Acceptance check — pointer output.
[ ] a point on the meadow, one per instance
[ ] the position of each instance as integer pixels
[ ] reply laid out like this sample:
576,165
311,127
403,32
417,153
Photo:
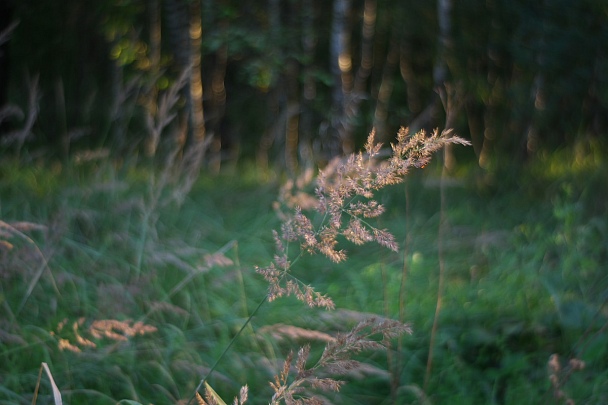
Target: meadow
130,289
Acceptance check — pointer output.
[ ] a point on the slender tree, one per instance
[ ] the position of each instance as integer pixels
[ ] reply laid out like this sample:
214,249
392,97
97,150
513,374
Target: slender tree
184,28
155,35
6,27
196,85
386,84
353,97
309,86
292,100
341,70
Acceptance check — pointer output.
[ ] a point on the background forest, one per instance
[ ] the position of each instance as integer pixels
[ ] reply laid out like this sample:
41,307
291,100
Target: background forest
150,147
294,81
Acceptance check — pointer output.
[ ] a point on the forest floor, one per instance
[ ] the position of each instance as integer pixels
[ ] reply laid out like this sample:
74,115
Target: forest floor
129,288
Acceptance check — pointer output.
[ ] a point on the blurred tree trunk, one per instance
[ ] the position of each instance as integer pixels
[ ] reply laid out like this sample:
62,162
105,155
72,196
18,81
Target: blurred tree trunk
284,97
341,70
474,112
426,116
196,85
184,23
218,103
491,115
177,23
386,87
482,107
309,87
440,71
216,109
359,91
276,111
349,91
444,87
412,89
6,28
537,92
291,77
152,91
594,113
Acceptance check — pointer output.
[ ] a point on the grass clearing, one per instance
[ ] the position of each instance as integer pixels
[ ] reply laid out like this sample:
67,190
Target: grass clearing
140,298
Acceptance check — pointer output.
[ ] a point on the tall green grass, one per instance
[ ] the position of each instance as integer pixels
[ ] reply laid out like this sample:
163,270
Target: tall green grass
525,265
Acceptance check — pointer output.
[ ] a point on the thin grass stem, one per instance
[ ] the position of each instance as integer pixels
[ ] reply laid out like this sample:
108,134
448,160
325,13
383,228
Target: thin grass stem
219,359
442,268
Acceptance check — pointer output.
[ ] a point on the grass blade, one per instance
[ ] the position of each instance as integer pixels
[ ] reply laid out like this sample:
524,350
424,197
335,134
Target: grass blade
56,393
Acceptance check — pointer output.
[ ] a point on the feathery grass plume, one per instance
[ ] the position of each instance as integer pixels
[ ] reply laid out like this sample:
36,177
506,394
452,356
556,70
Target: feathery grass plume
82,337
336,360
280,332
344,196
559,376
344,189
161,112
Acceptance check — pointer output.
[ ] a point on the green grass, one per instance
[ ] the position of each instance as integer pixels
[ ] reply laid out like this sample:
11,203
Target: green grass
525,257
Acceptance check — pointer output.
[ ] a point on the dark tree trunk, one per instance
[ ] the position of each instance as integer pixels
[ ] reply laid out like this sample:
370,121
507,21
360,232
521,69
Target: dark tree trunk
197,118
184,24
6,26
309,86
386,88
154,19
341,70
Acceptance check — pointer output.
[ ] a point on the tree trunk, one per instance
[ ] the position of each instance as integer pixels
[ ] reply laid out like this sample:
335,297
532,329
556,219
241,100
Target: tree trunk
414,102
218,103
292,133
537,92
6,28
309,87
276,109
197,118
184,25
443,86
386,88
349,91
152,91
354,97
341,70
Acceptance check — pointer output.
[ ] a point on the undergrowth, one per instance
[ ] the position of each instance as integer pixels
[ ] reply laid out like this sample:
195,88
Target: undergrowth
125,303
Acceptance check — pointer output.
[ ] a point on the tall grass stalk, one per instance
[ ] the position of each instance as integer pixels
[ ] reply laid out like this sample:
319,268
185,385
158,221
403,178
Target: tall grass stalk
398,364
181,168
225,351
17,229
441,232
342,205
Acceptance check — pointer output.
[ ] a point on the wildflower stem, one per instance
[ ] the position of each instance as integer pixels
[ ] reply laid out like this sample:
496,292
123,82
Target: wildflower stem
443,224
235,337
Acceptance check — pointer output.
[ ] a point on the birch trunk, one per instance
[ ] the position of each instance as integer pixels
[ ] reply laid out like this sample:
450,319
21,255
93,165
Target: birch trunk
341,69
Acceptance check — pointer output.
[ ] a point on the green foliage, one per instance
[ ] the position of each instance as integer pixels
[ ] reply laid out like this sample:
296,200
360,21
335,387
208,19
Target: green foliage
517,65
525,280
